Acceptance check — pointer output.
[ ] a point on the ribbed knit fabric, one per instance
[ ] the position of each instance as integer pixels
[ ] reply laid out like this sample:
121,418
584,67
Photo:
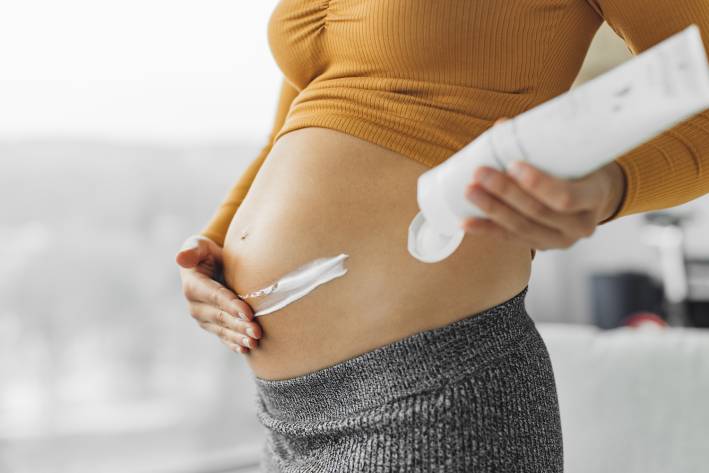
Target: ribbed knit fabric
425,77
477,395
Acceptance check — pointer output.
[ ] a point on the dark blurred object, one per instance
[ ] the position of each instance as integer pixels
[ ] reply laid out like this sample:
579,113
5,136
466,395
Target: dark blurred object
680,296
616,296
698,299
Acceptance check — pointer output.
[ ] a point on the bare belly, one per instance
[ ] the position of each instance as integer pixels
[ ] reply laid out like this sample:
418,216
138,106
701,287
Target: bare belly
321,192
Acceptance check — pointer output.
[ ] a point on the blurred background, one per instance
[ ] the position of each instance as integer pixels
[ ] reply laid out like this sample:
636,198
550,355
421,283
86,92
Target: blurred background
123,125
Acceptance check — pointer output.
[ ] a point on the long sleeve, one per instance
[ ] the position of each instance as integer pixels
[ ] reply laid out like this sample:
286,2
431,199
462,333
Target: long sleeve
672,168
217,227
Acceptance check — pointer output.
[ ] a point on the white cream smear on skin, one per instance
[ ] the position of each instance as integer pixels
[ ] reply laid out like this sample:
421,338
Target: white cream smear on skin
295,284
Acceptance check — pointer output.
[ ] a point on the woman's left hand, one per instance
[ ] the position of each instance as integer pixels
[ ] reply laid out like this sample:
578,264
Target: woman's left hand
539,209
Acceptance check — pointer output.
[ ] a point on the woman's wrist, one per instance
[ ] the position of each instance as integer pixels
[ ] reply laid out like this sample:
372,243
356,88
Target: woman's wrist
614,181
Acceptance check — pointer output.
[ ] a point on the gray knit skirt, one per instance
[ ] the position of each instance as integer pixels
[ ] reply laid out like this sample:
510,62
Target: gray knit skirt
477,395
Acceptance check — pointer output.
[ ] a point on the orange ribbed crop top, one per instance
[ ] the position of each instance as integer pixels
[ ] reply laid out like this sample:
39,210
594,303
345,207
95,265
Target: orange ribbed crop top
425,77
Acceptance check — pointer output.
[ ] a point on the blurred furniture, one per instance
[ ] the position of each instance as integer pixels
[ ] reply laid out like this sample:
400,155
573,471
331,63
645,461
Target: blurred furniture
616,296
680,292
632,400
684,278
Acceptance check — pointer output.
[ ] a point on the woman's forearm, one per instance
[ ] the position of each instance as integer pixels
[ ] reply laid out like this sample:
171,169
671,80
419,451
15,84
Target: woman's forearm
615,181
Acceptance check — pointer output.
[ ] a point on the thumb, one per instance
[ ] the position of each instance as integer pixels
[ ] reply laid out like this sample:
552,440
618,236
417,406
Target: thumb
500,120
196,249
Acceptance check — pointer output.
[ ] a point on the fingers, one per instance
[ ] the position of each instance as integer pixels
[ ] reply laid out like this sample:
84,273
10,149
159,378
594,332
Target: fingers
562,195
200,288
537,235
216,308
237,348
195,249
234,342
527,204
229,336
225,326
507,190
214,315
474,225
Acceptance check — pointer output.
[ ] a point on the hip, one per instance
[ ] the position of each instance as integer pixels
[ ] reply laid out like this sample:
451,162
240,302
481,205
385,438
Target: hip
476,395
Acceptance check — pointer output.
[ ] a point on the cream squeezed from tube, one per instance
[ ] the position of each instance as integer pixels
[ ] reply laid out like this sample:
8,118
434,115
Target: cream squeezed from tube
295,284
568,136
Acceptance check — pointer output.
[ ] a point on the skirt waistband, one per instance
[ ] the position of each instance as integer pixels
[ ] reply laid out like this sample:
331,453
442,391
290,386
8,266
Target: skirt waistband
419,362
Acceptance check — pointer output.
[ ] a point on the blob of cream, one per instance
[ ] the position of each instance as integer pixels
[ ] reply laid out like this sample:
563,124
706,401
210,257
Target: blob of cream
295,284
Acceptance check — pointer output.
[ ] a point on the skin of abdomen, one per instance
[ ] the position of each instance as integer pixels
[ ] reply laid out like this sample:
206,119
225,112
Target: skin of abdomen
321,192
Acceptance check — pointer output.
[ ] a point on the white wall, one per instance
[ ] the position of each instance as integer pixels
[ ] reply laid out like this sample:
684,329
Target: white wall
136,69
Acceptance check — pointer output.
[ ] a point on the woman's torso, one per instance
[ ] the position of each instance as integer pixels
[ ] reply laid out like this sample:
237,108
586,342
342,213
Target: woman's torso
321,192
387,89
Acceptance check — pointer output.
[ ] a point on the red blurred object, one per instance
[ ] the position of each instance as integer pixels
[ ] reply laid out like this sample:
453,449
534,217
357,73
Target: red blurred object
643,318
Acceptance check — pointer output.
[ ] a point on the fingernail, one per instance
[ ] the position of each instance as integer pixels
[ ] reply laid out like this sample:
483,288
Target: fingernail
475,193
238,312
251,332
247,341
482,175
515,169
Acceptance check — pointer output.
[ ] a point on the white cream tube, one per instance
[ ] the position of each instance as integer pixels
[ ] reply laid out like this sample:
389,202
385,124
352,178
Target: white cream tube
295,284
568,136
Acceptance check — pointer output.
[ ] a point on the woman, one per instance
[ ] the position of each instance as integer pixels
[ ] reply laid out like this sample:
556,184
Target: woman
401,365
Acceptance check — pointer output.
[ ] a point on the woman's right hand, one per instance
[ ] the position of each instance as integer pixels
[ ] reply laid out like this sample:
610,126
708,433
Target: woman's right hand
214,306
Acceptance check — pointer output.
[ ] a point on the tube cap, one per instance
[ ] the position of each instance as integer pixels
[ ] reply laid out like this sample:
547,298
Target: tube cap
427,244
